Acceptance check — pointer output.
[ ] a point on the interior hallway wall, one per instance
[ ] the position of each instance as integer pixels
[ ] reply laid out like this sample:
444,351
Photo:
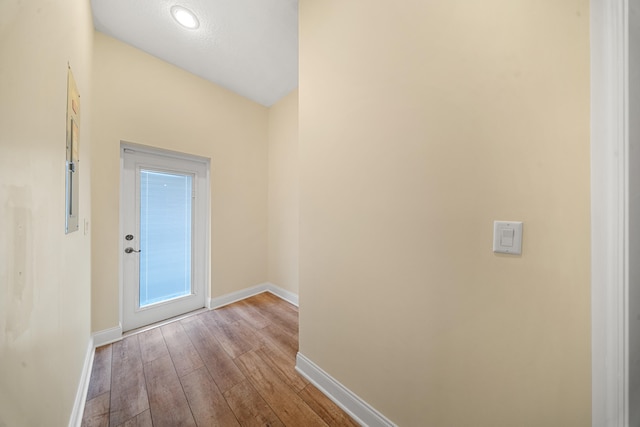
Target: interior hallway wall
141,99
283,193
44,274
419,126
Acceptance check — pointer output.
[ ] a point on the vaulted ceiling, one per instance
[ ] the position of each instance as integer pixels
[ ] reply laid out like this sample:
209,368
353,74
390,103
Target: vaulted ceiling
247,46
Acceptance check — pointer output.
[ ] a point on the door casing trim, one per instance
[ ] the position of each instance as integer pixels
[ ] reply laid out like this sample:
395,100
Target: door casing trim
609,211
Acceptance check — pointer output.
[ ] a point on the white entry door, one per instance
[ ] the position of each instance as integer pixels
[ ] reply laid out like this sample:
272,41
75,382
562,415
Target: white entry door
164,244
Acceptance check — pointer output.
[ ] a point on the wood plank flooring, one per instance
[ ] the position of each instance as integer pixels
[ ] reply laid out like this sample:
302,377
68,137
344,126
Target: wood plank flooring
233,366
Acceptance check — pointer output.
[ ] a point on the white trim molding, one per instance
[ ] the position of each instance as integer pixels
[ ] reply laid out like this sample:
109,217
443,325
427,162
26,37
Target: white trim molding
358,409
232,297
283,294
609,219
83,387
107,336
227,299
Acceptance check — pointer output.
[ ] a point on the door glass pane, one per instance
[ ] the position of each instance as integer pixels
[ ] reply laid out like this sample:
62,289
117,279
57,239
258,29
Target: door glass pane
165,236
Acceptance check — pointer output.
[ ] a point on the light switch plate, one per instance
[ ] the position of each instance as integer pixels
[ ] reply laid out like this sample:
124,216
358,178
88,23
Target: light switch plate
507,237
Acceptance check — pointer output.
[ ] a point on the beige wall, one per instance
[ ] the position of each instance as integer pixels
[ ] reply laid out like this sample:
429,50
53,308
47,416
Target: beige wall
44,274
141,99
419,126
283,193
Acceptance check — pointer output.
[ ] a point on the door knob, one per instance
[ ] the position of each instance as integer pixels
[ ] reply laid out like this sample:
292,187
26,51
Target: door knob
130,249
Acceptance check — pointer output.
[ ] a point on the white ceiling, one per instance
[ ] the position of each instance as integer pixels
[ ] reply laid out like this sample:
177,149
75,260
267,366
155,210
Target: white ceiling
247,46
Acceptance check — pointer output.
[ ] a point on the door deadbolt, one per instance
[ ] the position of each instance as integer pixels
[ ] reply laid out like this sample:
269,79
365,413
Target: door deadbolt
129,237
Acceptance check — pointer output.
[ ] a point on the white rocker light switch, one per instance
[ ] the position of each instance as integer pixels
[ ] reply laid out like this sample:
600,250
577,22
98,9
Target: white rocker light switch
507,237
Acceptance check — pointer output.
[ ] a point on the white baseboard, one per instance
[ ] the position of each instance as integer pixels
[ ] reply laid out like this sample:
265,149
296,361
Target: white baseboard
283,293
358,409
107,336
227,299
111,335
83,387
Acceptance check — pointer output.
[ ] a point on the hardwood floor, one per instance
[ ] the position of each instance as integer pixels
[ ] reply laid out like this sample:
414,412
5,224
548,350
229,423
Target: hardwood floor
233,366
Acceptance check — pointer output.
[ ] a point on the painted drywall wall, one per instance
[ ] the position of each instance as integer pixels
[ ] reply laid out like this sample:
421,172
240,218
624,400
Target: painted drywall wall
419,126
634,213
44,274
283,193
140,99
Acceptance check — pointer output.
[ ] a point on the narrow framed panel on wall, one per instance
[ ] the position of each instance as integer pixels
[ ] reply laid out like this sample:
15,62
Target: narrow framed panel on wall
72,155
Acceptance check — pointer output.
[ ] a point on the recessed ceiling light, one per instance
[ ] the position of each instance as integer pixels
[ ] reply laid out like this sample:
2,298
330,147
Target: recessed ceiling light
185,17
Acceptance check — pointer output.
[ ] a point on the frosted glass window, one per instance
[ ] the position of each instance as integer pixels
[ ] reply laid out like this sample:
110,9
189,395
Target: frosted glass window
165,236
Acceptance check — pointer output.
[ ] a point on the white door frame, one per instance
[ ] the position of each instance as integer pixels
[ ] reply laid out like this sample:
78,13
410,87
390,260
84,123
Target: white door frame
206,192
609,208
